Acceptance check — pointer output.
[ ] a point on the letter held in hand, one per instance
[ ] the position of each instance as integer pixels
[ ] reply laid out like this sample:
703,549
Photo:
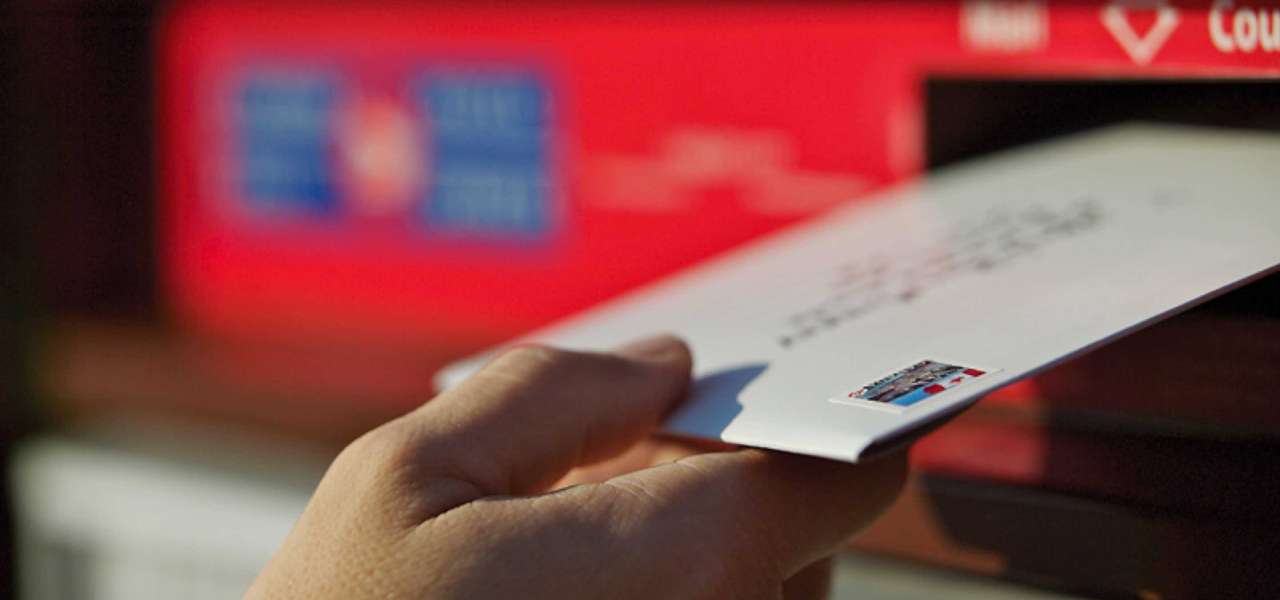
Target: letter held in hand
851,334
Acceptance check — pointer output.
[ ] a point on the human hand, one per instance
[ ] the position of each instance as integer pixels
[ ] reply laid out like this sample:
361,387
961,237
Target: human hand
462,497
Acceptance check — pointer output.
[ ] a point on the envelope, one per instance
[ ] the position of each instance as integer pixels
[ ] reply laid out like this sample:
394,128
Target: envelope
852,334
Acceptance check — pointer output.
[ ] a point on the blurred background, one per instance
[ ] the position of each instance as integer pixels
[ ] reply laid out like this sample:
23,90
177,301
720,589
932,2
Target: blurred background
238,234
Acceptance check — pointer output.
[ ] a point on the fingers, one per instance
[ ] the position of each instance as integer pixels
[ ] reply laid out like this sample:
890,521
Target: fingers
534,413
644,454
771,513
654,450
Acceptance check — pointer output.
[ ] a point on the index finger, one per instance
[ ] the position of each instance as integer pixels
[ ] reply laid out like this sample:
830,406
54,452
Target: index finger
534,413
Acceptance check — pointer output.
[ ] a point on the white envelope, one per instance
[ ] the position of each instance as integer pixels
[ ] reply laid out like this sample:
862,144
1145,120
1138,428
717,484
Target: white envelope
850,335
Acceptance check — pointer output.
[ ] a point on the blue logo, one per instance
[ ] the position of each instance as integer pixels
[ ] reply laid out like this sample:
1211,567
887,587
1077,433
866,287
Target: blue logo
285,131
459,151
488,137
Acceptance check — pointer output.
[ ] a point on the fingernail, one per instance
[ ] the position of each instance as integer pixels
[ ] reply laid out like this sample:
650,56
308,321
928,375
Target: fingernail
652,347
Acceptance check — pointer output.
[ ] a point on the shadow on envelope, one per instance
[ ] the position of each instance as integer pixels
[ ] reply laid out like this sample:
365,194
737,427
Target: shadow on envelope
713,402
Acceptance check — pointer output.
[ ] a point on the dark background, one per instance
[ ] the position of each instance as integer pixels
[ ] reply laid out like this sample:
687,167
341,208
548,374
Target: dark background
75,182
971,117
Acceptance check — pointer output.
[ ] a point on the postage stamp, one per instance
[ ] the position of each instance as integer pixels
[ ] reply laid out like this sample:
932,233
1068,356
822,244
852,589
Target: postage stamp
916,382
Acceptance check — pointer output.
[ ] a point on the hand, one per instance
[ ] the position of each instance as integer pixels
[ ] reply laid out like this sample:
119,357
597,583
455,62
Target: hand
459,498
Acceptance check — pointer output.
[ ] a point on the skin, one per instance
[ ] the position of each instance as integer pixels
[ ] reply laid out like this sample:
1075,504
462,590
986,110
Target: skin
535,479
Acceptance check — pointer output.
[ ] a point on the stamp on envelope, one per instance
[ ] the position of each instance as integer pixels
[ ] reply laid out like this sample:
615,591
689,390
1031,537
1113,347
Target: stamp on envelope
915,383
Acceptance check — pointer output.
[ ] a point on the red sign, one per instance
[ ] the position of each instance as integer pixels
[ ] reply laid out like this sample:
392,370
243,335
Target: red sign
459,172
